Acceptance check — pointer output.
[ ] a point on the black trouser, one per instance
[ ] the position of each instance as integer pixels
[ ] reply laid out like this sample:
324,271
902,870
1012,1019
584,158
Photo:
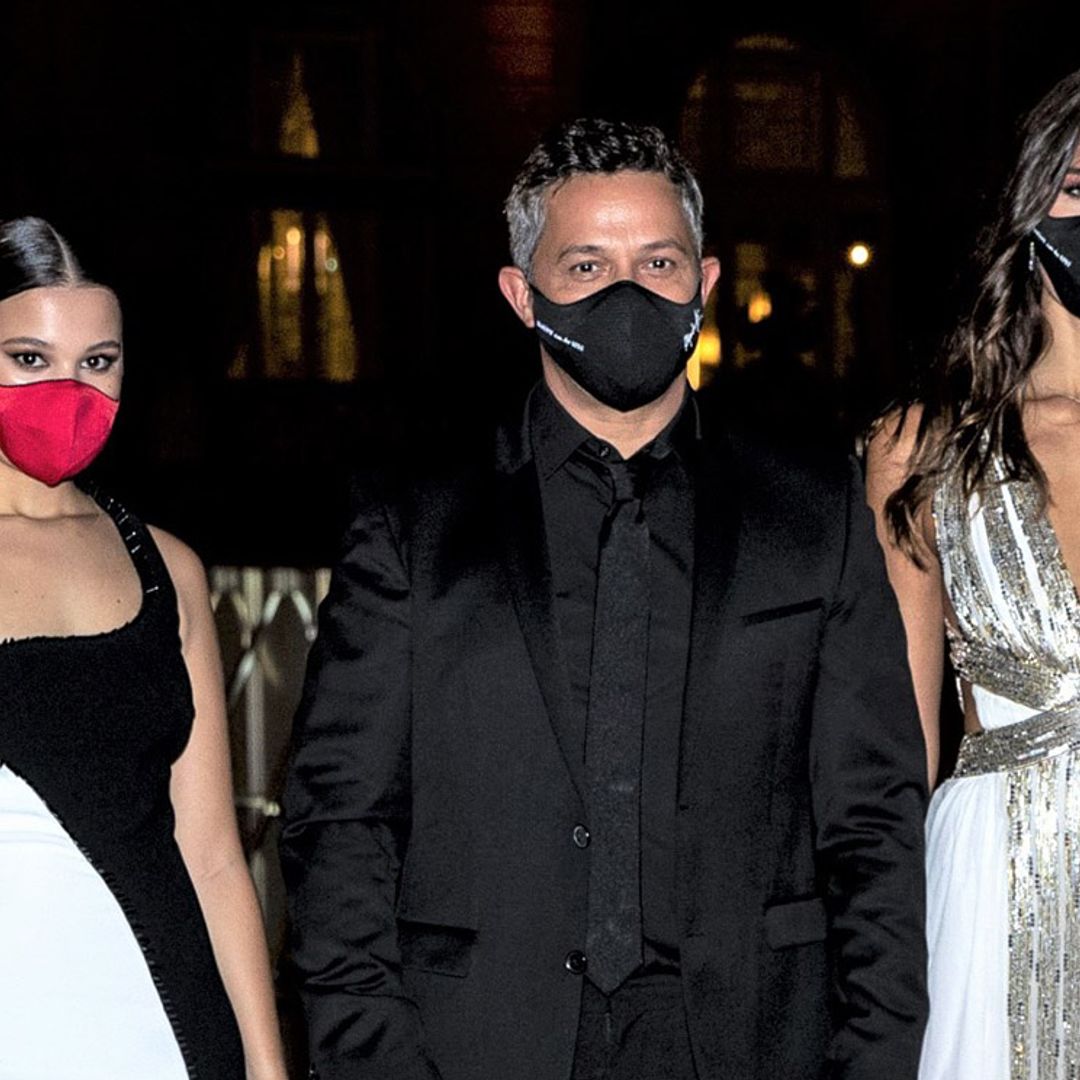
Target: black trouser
638,1033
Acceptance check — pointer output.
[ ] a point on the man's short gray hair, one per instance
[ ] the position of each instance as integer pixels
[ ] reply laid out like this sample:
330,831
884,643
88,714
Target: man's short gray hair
592,146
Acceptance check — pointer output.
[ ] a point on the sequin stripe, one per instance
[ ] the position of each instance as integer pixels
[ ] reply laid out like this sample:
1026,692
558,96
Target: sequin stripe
966,583
1070,952
1046,833
1029,681
1016,746
1022,901
963,578
1017,590
1044,920
1064,605
1012,515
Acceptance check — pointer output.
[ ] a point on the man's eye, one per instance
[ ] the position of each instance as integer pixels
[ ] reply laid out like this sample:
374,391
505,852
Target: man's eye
1072,190
585,268
660,264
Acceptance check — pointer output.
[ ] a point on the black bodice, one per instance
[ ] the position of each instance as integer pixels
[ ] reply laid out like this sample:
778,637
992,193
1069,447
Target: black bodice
94,723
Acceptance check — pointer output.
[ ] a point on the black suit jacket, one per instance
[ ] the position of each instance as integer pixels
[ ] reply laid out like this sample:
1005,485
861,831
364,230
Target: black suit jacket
435,888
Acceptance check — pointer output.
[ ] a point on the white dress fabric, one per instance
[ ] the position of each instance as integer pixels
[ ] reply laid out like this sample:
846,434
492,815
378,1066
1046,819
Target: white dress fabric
77,1001
1003,836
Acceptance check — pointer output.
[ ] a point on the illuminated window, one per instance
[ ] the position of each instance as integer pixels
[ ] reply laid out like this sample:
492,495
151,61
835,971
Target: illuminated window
340,159
305,321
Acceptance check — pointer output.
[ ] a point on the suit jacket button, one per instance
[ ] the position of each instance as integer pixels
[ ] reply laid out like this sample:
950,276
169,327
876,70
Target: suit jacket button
581,836
576,962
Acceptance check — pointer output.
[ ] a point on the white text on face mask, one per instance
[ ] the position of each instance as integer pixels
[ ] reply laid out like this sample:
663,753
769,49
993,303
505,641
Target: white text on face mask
556,336
1061,258
695,326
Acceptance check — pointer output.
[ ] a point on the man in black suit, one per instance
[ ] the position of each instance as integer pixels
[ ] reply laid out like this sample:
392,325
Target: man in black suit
608,764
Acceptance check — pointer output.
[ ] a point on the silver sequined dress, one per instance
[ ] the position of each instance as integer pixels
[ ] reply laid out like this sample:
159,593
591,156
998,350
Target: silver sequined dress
1003,839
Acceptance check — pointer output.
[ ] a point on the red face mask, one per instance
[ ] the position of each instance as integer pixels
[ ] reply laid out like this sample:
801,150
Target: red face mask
53,429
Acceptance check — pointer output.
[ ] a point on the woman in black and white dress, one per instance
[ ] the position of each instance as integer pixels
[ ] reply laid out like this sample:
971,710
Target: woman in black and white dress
131,945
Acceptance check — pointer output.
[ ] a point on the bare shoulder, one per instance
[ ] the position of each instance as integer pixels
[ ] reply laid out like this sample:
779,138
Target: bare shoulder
891,445
890,453
185,568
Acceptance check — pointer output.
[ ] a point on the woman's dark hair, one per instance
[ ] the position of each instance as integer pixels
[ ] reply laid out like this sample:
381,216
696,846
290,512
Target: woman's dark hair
33,255
971,400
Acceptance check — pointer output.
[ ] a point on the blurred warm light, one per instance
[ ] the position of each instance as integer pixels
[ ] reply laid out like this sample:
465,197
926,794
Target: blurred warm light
297,135
708,346
322,255
705,357
302,290
859,255
294,258
759,307
766,43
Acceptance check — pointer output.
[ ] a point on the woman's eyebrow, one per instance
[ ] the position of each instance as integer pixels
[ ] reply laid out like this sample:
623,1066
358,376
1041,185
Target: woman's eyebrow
27,341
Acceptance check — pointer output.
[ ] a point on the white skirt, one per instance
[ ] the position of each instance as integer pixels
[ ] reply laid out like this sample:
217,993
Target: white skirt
967,927
77,1001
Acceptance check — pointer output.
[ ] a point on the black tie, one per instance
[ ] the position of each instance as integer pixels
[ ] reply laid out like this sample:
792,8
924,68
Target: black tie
614,736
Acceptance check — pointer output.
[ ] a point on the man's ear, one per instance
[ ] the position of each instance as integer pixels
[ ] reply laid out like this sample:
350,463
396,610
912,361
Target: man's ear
515,287
710,275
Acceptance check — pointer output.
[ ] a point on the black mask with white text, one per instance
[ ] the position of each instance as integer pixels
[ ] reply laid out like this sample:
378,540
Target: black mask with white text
624,344
1057,241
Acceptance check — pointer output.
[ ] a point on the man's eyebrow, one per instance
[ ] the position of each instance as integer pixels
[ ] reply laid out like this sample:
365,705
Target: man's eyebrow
669,242
599,249
581,249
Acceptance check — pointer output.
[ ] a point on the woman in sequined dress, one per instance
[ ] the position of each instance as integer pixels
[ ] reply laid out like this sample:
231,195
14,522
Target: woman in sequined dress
977,490
131,945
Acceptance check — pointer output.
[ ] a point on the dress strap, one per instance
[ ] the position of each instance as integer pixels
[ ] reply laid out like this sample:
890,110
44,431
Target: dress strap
1015,628
149,565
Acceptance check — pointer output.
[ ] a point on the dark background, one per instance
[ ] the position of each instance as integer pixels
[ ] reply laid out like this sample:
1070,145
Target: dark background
176,143
149,134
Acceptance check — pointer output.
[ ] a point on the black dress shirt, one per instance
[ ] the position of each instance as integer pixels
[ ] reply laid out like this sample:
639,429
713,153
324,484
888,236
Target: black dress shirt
577,495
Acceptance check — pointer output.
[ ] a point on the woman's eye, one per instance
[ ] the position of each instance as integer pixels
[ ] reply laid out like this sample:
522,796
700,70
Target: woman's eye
28,359
99,363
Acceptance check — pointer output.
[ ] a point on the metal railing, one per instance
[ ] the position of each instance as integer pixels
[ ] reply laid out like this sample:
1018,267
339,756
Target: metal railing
266,621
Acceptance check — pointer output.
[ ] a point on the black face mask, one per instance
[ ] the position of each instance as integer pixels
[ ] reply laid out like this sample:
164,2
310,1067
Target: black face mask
1057,241
623,344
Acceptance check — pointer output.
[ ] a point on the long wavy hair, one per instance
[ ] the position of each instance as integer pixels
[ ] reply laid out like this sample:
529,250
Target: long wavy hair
971,398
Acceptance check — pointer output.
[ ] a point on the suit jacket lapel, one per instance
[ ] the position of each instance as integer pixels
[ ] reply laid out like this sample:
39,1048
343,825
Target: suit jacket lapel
717,514
524,544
